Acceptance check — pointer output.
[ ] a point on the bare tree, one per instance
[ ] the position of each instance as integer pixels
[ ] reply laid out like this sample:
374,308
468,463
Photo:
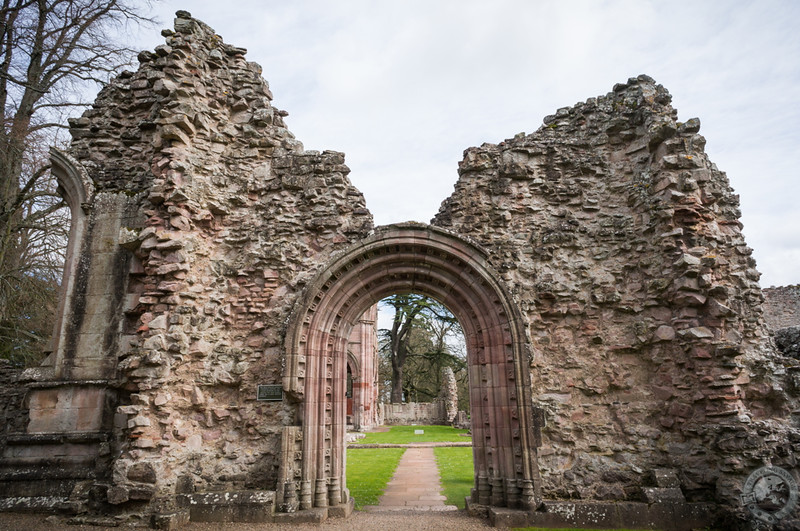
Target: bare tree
52,53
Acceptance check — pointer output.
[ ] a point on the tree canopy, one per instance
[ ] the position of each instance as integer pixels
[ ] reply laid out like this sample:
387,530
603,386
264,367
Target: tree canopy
425,337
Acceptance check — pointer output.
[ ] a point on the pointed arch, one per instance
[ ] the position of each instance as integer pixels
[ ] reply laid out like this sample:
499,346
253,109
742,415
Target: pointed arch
75,186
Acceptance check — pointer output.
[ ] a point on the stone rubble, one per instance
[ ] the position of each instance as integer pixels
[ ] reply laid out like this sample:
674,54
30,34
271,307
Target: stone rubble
788,341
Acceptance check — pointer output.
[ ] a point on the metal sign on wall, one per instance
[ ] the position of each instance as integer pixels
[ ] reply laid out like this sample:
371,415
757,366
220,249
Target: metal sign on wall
270,393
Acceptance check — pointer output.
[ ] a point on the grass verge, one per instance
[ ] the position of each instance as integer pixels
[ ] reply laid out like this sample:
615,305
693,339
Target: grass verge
456,471
368,472
405,435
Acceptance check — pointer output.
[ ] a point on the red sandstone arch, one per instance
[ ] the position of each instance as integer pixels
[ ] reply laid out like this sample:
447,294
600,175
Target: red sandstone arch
431,261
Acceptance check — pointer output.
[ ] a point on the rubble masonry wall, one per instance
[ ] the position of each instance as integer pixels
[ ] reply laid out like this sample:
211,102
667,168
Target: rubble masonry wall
622,243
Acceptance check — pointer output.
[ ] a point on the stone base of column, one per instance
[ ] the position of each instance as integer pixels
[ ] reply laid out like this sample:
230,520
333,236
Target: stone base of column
342,510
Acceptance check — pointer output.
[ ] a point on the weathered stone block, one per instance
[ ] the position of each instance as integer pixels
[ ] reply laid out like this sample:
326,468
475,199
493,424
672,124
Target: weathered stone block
142,472
307,516
117,494
240,506
67,408
666,478
343,510
171,521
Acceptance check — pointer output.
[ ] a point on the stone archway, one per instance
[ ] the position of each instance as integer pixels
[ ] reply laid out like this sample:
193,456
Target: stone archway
431,261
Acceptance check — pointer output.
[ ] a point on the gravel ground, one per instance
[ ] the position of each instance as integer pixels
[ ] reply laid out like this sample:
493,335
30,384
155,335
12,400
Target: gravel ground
382,521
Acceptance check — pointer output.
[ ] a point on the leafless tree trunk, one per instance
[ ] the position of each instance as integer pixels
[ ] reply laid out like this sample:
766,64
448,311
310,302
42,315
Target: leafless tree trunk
52,52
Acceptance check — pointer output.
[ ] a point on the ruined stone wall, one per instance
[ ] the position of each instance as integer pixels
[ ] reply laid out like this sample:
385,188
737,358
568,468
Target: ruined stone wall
622,244
781,307
782,316
205,221
232,217
412,413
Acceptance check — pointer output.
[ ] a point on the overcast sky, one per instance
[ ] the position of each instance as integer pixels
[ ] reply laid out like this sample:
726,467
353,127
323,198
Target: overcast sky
403,87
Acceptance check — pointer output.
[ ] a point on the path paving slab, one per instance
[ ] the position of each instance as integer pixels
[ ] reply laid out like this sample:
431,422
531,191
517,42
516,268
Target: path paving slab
415,486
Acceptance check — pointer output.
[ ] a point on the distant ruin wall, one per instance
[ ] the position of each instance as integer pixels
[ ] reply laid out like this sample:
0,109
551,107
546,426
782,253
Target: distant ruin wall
441,411
782,307
414,413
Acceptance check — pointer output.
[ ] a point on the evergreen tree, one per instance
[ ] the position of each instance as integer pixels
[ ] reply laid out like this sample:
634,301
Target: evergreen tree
424,338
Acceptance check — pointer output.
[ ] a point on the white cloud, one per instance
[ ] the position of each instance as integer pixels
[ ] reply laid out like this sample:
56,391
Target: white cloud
404,87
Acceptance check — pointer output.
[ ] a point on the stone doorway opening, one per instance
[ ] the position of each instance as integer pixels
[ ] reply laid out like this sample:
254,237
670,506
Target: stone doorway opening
400,259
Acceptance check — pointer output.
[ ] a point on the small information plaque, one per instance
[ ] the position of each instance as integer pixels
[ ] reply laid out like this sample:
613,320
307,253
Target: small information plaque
270,393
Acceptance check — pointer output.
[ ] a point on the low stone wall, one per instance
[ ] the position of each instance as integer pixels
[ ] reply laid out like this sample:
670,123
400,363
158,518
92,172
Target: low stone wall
781,307
414,413
441,411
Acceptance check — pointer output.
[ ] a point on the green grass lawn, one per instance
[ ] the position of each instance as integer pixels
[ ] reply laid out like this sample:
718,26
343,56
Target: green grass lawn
370,469
368,472
456,471
405,435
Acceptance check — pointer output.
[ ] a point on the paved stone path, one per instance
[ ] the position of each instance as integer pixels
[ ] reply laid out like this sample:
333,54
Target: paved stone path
415,486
